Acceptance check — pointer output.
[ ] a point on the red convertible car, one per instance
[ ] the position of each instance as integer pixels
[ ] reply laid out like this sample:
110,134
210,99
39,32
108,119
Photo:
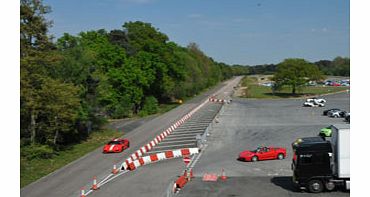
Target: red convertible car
116,145
262,153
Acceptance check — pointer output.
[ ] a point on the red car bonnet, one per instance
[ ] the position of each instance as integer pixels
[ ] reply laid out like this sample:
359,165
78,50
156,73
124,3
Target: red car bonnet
246,152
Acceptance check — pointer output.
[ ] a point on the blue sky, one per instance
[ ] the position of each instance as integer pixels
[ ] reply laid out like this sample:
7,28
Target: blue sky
246,32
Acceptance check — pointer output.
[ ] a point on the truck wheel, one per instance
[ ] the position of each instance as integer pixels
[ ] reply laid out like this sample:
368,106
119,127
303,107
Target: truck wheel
254,158
329,186
280,156
315,186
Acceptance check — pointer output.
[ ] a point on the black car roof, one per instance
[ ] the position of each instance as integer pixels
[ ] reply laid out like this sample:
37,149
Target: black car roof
332,109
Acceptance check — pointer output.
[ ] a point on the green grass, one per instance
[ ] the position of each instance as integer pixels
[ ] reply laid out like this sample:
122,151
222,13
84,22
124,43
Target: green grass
262,92
34,169
163,108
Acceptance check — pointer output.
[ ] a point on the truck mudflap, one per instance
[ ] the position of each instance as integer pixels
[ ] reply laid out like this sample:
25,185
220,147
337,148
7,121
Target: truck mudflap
347,185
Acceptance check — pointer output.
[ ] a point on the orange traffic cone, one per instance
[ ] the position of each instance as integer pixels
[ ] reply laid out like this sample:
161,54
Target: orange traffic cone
95,185
114,170
223,175
82,192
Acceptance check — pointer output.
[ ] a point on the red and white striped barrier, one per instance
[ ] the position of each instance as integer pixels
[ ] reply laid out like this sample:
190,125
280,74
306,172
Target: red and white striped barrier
161,156
137,154
218,100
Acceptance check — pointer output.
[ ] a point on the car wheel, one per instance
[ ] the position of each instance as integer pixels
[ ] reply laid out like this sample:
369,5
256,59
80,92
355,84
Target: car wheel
280,156
315,186
254,158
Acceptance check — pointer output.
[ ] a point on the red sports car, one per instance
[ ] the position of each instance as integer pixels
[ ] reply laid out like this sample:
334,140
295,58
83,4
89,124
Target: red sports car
116,145
262,153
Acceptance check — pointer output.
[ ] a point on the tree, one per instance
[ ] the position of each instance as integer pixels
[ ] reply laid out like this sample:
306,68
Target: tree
34,27
49,106
340,66
295,73
34,46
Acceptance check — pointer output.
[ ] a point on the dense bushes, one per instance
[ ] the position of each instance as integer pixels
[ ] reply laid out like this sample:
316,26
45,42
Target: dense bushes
150,106
37,151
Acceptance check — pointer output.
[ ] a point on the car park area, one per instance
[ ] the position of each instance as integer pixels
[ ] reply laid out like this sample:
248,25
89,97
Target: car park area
248,123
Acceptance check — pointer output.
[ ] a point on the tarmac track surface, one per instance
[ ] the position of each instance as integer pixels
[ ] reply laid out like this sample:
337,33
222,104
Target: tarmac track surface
246,124
68,180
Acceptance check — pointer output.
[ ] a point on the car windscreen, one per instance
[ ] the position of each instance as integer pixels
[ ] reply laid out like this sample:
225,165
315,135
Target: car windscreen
257,150
114,142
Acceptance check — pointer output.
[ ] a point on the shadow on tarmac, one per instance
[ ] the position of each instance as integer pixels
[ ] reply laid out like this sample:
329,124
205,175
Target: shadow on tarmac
284,182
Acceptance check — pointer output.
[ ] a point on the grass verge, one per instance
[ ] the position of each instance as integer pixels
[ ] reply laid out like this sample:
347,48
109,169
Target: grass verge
163,108
34,169
254,90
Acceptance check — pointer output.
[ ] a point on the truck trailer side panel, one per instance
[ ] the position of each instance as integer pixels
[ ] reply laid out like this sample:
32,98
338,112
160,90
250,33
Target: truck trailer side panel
341,143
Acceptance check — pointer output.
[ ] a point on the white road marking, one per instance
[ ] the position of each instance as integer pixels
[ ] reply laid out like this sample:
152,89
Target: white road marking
115,176
184,134
168,138
174,145
174,141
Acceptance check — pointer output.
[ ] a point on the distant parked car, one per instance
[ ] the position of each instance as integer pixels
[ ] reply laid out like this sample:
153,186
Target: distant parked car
263,153
328,82
315,99
327,111
325,132
313,104
347,117
337,114
116,145
335,84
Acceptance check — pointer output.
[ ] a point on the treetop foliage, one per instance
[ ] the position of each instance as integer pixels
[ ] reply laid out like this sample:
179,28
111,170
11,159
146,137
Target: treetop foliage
69,87
295,73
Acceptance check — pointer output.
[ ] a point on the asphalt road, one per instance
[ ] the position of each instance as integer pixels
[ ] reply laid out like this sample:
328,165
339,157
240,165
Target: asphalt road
246,124
146,181
153,179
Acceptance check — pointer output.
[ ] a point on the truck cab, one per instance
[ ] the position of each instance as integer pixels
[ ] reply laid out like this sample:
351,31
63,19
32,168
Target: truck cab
311,162
321,163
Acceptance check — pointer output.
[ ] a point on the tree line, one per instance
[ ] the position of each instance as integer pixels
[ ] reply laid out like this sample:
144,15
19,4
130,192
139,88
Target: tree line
339,66
71,86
